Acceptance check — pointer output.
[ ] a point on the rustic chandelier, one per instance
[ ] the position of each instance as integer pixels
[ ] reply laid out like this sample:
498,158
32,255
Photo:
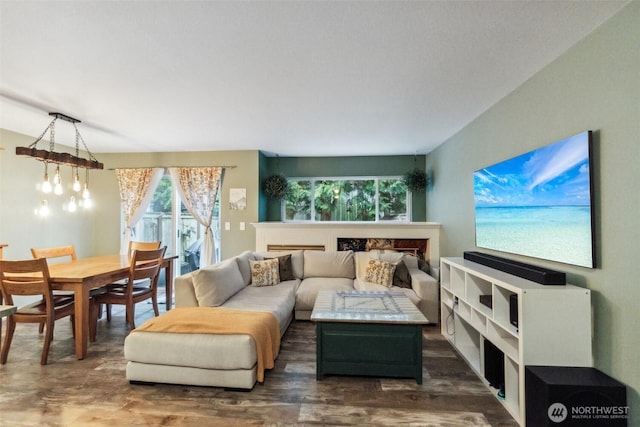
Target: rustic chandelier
74,161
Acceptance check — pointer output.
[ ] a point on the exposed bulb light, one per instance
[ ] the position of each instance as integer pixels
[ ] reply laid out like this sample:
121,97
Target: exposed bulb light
86,203
56,177
57,182
80,198
46,185
43,210
86,195
76,182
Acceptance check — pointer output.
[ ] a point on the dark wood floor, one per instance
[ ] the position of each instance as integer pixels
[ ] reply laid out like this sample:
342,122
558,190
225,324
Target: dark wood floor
95,392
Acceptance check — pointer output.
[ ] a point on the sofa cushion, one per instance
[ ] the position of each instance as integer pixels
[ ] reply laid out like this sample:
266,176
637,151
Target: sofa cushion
309,288
414,298
297,260
243,264
265,273
278,300
214,284
329,264
380,272
284,267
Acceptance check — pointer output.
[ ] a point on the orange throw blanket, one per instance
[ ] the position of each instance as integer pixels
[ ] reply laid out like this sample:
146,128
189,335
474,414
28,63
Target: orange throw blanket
261,326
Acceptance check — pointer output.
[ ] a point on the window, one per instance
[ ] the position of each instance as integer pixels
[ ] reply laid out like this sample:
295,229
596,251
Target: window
158,224
347,200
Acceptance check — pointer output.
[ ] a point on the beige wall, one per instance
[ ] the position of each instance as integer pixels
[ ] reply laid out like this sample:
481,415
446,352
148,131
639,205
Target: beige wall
596,86
20,228
244,174
98,232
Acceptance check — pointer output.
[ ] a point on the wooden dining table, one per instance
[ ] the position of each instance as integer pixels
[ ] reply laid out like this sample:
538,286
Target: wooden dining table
84,274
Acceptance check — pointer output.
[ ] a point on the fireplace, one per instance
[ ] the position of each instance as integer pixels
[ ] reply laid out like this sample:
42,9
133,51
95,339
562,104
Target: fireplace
421,238
416,247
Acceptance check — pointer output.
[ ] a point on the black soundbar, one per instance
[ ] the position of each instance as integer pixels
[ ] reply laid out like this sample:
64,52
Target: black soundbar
534,273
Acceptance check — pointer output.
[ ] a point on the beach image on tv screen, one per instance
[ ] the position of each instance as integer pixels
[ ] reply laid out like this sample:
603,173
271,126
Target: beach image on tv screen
539,203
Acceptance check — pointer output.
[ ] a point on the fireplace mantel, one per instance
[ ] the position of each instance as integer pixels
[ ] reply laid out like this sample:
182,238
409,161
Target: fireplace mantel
327,233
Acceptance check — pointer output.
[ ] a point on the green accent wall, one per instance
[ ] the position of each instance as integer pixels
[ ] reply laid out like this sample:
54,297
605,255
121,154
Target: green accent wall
263,173
302,167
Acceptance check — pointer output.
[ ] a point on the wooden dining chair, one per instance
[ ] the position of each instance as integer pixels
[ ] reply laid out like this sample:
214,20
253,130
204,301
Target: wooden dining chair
133,245
142,246
144,265
46,310
55,252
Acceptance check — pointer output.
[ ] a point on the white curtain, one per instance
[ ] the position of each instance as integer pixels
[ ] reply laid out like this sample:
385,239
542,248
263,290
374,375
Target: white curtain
198,189
136,191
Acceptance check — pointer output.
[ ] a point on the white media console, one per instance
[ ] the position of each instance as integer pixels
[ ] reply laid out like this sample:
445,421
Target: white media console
553,323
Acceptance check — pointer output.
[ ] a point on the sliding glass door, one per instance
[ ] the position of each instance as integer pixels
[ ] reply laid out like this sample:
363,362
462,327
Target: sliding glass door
169,221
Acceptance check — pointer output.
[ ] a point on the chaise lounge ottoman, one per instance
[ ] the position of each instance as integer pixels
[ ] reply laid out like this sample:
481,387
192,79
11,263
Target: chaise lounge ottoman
204,346
196,359
202,357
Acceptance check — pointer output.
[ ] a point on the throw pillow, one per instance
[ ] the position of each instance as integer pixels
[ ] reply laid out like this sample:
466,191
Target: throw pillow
285,268
424,265
401,276
380,272
215,284
265,273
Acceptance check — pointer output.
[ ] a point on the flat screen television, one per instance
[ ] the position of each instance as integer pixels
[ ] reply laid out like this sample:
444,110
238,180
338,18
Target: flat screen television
539,204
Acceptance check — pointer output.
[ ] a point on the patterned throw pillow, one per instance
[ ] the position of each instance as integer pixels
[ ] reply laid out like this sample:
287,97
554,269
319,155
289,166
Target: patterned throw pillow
265,273
380,272
285,267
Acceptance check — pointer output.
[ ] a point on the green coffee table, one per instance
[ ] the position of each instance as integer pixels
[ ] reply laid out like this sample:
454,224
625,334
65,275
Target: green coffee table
368,333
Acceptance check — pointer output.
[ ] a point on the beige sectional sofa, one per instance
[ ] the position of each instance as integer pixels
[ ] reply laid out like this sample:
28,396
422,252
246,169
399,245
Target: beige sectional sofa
230,360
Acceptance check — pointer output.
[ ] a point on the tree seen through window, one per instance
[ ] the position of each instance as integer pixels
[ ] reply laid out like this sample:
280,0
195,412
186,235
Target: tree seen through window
356,200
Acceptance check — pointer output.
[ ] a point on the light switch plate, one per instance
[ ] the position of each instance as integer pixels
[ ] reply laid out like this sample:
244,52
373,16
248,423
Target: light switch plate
227,226
242,226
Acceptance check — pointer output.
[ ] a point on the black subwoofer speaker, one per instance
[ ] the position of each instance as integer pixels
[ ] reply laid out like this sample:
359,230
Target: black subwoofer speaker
493,365
573,396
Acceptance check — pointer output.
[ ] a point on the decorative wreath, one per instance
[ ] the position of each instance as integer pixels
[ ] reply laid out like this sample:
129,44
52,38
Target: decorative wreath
276,187
416,180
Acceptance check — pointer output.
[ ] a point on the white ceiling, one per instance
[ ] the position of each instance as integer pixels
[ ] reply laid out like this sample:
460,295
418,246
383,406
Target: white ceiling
293,78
